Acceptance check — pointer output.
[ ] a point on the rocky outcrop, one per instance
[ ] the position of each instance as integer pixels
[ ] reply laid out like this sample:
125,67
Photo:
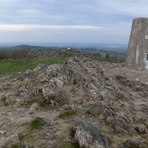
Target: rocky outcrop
81,88
87,135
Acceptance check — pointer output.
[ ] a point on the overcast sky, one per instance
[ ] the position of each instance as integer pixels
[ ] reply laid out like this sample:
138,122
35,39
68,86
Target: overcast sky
69,21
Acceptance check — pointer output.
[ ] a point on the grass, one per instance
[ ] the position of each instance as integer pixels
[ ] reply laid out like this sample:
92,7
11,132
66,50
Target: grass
37,123
3,101
68,113
95,111
67,146
10,67
18,145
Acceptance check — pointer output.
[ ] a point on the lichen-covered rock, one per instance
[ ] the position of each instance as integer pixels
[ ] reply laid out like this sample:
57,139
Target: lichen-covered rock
58,82
87,135
47,92
24,97
34,106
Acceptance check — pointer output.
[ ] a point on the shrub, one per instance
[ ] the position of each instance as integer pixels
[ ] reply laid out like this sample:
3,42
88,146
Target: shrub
19,54
3,55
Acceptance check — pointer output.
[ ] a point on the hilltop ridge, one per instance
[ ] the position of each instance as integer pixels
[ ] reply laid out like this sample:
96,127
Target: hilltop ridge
75,104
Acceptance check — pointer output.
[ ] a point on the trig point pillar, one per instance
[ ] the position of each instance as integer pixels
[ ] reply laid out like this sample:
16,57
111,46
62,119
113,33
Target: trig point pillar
137,55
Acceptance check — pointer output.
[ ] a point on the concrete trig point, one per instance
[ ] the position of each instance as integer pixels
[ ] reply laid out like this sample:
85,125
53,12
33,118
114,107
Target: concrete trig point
137,55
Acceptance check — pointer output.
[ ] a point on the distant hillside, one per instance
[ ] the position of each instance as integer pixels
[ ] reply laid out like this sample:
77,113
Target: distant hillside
109,50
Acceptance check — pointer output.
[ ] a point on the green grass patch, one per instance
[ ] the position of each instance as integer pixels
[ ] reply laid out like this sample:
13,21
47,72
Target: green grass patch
37,123
3,101
13,66
69,145
18,145
68,113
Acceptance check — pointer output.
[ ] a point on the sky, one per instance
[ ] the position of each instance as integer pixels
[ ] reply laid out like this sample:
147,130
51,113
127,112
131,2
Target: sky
69,21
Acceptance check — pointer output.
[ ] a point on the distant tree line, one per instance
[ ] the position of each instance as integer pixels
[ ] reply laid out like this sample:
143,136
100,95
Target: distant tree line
28,53
14,54
107,57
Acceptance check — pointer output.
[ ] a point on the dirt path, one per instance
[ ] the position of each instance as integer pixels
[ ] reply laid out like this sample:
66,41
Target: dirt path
141,76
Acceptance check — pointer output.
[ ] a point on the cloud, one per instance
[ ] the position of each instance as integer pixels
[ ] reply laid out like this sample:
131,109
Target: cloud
90,12
130,8
98,18
25,27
